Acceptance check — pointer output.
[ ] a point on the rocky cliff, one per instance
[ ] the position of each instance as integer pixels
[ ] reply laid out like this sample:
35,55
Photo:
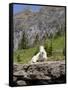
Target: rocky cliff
50,72
47,20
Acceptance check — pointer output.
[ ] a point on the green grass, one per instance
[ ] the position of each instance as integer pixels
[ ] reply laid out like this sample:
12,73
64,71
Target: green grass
25,55
58,43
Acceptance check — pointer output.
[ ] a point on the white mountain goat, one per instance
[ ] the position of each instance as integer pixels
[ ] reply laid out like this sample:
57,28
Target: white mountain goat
40,57
43,54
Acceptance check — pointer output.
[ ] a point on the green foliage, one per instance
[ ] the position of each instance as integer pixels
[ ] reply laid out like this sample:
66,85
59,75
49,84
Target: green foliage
24,42
58,43
18,58
37,50
25,55
64,51
48,47
56,57
36,42
50,51
60,31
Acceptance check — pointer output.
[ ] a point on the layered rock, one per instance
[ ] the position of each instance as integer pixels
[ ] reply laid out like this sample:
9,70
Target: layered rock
41,73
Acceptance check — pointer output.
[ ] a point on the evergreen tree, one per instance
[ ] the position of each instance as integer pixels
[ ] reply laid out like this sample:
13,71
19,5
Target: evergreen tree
24,42
36,40
50,45
18,58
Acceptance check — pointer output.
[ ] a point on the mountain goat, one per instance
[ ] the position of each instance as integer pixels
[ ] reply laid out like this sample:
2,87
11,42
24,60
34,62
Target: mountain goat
40,57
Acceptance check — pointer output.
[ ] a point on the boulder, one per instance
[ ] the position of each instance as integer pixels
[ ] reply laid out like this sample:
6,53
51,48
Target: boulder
21,82
49,72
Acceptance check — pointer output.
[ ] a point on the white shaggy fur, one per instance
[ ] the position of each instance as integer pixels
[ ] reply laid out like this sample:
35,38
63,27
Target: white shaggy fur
35,58
41,56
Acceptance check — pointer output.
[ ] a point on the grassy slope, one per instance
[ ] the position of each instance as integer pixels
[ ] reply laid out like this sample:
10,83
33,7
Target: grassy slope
26,55
58,43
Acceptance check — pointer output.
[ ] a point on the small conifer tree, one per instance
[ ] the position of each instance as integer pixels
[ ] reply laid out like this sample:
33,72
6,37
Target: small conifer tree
18,58
24,42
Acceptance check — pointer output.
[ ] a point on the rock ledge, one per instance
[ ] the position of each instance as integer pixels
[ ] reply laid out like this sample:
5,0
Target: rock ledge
51,72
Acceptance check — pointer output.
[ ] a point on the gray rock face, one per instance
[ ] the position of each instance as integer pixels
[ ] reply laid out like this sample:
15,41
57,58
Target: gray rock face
48,20
40,73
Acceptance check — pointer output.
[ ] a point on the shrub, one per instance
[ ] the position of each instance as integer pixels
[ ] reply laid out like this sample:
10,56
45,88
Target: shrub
24,42
48,47
50,51
18,58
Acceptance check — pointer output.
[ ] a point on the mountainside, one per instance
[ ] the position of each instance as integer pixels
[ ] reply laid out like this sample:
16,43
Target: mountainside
38,25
